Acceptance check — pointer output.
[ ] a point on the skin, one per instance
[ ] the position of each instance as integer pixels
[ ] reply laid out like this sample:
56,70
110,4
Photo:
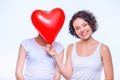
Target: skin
85,47
22,56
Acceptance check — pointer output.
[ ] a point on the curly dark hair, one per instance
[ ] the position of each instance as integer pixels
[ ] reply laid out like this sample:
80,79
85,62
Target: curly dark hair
87,16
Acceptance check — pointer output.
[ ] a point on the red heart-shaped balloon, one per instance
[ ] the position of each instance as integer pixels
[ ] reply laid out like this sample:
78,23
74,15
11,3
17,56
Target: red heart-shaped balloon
48,24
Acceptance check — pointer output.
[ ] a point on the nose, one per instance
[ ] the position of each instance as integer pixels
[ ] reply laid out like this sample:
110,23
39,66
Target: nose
82,29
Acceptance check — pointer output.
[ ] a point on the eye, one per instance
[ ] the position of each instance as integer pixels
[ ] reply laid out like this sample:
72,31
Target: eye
76,28
85,24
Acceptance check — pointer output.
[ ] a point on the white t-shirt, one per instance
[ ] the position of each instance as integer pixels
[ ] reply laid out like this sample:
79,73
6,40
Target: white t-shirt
86,68
39,65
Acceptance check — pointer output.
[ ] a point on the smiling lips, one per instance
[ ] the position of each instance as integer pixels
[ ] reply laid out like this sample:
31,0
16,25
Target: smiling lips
84,33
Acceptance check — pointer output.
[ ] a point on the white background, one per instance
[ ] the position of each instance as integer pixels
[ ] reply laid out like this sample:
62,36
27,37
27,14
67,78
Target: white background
15,26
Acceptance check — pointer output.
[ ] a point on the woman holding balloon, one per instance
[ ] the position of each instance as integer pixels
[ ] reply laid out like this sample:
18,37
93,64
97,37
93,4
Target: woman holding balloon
32,52
86,58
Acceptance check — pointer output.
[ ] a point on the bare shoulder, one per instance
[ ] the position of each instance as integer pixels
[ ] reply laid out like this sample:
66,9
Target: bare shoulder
104,47
69,48
104,50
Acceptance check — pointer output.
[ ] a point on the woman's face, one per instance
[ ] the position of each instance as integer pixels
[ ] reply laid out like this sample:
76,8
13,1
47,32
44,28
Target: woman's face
82,29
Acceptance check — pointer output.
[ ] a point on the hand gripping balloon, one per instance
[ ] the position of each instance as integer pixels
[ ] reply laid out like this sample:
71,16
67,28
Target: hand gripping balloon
48,24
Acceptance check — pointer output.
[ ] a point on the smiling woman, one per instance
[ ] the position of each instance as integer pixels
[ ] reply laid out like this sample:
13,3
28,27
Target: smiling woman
85,58
90,51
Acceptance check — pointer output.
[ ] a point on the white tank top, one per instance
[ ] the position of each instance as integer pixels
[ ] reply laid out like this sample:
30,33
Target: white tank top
86,68
39,65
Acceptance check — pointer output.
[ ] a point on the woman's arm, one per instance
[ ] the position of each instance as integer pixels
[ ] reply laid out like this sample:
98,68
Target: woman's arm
107,63
20,64
57,75
65,70
57,72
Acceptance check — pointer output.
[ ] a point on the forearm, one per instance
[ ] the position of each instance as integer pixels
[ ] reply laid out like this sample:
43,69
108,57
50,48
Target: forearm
109,75
63,70
57,77
19,76
109,78
57,74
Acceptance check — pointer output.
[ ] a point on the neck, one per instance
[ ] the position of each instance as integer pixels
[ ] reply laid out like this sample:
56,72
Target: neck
40,40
